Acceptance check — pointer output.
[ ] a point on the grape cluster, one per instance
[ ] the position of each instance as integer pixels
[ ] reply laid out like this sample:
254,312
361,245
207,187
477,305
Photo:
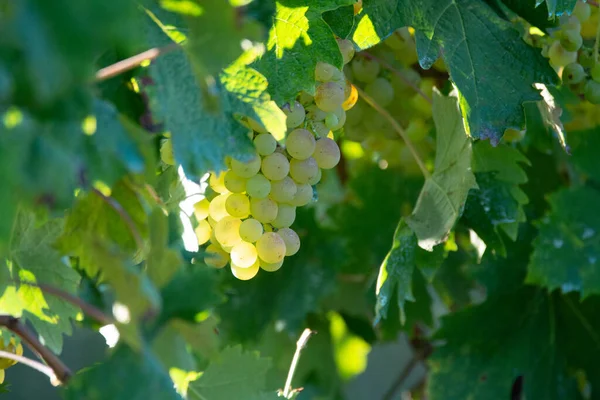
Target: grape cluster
247,218
12,347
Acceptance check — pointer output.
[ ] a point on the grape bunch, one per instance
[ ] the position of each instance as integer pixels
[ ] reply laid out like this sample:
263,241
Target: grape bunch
12,347
246,218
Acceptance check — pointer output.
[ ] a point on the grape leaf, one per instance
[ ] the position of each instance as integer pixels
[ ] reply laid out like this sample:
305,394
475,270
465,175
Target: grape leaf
558,7
34,260
126,375
584,157
298,39
233,374
443,196
566,249
533,11
492,67
341,20
162,263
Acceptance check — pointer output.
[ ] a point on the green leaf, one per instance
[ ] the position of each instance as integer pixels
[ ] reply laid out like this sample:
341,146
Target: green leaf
233,374
34,259
583,155
566,250
533,11
162,262
444,194
341,21
493,84
298,39
126,375
558,7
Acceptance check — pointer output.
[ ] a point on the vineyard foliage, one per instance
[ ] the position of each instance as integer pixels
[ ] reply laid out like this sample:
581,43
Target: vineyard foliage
201,181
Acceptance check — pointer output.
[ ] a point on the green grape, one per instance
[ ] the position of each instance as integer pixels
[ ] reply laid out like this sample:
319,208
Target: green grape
201,209
559,56
300,144
215,256
329,96
336,119
326,72
245,274
381,91
319,128
275,166
571,40
217,182
327,153
166,152
258,187
315,179
271,247
283,191
251,230
243,255
227,232
263,210
416,130
203,232
238,205
303,196
346,48
305,98
592,92
302,171
586,57
315,113
234,183
595,72
265,144
286,215
216,209
570,23
291,240
256,126
270,267
573,73
246,169
582,11
365,70
295,115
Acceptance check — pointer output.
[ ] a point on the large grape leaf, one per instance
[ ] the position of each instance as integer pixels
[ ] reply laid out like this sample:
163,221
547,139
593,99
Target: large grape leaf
558,7
33,259
298,39
567,251
493,68
233,374
443,196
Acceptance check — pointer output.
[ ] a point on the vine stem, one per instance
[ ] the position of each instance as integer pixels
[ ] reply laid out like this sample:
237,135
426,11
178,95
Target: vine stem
399,74
61,372
300,344
115,205
398,130
44,369
134,61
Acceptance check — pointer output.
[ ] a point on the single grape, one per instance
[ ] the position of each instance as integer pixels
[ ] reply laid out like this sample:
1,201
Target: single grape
245,274
303,196
243,255
234,183
559,56
319,128
283,191
346,48
258,186
417,130
203,232
201,209
327,153
300,144
302,171
329,96
216,209
291,240
295,115
336,119
315,113
592,92
256,126
286,215
595,72
326,72
270,267
381,91
275,166
166,152
582,11
315,179
263,210
586,57
246,169
238,205
215,256
265,144
227,232
271,247
351,94
217,182
573,73
251,230
571,40
365,70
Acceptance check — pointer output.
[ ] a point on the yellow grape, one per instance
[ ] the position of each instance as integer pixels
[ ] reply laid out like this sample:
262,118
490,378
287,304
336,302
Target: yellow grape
243,255
245,274
303,171
263,210
271,247
217,182
215,256
203,232
216,209
248,168
238,205
227,232
270,267
201,209
234,183
251,230
291,240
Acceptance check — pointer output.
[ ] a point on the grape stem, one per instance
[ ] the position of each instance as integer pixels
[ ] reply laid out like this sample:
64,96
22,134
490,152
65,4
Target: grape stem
61,372
593,3
134,61
300,344
399,74
44,369
398,129
115,205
